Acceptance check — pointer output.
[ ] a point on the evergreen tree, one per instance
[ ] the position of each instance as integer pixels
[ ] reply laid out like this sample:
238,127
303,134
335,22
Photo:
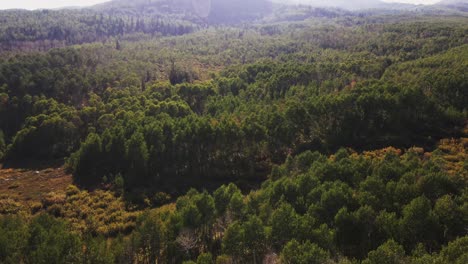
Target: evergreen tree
307,253
88,160
137,159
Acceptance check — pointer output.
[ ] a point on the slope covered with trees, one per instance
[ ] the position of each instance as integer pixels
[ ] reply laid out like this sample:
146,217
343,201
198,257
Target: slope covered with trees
186,111
310,136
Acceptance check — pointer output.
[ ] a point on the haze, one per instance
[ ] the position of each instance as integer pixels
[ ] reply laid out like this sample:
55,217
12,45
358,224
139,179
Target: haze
50,4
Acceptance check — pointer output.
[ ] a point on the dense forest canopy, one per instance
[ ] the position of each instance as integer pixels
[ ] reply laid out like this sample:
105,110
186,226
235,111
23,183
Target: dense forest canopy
254,132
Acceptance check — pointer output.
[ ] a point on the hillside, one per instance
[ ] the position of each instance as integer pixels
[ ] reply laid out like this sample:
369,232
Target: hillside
234,132
353,4
209,11
42,30
461,5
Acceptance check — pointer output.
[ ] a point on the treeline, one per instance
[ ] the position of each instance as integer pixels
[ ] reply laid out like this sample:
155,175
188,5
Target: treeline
376,207
34,30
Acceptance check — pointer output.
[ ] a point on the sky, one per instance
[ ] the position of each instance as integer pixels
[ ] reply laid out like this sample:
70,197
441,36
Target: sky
37,4
424,2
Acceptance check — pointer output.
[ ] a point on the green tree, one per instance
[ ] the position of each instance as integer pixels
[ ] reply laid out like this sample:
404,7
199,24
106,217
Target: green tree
254,238
13,239
236,206
355,231
455,252
149,237
97,251
436,185
419,223
233,243
44,137
388,253
285,223
115,150
205,258
137,159
51,242
450,217
222,197
306,253
86,162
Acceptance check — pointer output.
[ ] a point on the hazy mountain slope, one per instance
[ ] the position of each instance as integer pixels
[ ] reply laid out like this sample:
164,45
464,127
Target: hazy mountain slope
346,4
461,5
213,11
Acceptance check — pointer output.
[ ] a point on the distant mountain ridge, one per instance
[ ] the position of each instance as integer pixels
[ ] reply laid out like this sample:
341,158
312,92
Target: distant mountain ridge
345,4
214,11
461,5
229,10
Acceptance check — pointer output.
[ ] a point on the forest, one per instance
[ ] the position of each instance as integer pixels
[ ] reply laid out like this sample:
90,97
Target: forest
283,134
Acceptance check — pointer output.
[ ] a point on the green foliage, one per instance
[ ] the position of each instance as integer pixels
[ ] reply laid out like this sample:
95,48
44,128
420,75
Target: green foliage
246,241
98,251
258,97
388,253
137,158
284,225
50,242
119,184
156,116
13,240
232,240
223,197
306,253
455,252
149,236
417,217
299,217
54,28
44,138
84,161
205,258
178,75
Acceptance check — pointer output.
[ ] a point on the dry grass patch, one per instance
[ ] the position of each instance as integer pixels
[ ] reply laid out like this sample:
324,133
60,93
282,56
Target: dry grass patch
29,187
98,212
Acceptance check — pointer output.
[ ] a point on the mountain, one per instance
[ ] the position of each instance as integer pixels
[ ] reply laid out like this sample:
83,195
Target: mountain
236,11
461,5
345,4
212,11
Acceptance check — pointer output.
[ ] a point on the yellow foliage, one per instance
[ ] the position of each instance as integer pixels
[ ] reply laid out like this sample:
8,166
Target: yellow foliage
53,198
380,154
72,190
10,206
98,212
